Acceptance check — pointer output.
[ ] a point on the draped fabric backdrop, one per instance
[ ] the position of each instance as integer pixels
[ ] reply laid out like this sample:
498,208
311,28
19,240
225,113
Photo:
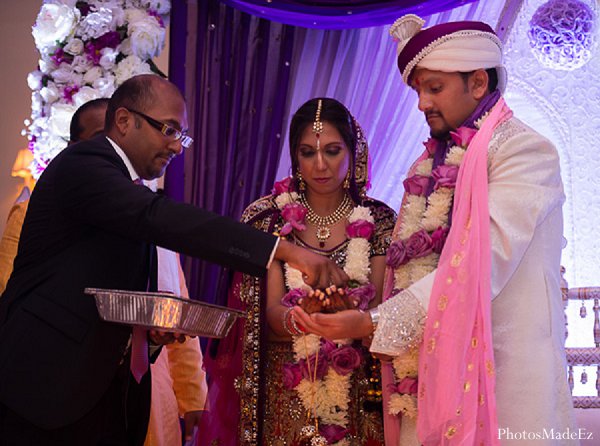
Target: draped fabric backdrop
244,76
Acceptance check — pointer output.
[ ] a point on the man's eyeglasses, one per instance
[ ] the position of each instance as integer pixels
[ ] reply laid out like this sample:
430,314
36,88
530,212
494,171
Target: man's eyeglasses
167,130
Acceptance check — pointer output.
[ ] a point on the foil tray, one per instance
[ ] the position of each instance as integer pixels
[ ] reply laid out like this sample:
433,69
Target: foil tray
164,311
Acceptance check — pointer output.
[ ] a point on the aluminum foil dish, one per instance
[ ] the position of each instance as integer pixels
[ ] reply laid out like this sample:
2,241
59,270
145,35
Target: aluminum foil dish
164,311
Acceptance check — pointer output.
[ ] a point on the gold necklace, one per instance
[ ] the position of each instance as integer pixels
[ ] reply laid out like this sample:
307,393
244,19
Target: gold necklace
323,223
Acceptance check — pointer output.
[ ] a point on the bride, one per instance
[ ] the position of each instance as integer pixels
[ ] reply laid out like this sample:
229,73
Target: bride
270,383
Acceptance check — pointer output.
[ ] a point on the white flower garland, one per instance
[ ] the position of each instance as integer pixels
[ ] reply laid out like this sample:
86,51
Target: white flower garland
328,398
429,214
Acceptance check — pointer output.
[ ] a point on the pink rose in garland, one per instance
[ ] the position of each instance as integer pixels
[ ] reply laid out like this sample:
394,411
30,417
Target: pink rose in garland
360,229
418,245
294,214
361,296
292,375
463,136
345,359
396,254
438,238
416,185
431,146
308,367
283,186
332,432
445,176
292,297
408,386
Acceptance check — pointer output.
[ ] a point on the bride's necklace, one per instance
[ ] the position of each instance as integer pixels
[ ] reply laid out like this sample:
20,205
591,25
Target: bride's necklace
323,224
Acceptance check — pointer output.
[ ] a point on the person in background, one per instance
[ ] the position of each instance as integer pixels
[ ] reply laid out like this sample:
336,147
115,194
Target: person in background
86,123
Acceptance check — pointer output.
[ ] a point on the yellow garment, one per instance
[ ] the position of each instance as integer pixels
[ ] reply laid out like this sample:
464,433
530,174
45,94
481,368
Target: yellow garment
178,380
10,241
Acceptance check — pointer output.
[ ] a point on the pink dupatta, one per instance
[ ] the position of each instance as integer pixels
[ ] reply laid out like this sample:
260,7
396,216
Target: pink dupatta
456,399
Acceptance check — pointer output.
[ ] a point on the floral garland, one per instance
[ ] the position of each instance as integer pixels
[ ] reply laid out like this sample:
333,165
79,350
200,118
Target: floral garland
87,49
322,369
416,251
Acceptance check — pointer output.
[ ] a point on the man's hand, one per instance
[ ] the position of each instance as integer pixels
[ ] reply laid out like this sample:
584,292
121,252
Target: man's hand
345,324
191,420
318,271
160,337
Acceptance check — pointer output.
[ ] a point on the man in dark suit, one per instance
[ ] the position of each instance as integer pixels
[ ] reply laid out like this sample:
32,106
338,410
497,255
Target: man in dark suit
64,374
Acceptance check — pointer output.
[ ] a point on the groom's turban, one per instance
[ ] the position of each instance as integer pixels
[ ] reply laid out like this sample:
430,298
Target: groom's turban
449,47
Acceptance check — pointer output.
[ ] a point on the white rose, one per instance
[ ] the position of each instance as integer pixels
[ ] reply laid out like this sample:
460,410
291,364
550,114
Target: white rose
129,67
60,119
36,102
162,7
85,94
147,38
46,65
81,64
125,47
108,57
34,80
118,17
74,46
91,75
50,93
134,15
54,23
63,74
96,24
105,85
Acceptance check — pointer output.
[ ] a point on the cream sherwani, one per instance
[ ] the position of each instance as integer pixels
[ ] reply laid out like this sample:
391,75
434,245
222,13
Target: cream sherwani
525,203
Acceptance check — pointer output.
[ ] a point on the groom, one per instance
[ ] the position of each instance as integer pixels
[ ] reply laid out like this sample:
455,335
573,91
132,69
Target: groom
475,261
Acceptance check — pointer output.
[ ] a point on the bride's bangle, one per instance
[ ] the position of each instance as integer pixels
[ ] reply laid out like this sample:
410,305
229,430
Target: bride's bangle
289,323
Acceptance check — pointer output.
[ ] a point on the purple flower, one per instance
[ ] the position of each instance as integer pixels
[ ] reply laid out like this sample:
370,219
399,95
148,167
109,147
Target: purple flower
332,432
362,295
292,375
308,367
69,92
408,386
294,214
285,185
345,359
418,245
445,176
396,254
360,229
60,56
111,39
463,136
292,297
327,347
431,145
416,185
156,15
438,238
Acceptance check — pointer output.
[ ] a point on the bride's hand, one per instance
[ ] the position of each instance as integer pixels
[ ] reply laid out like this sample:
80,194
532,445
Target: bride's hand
344,324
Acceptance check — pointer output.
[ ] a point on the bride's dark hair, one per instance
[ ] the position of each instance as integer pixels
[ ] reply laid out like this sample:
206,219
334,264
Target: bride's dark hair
333,112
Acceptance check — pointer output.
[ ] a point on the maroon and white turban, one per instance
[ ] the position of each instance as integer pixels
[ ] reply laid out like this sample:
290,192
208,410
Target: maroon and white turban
449,47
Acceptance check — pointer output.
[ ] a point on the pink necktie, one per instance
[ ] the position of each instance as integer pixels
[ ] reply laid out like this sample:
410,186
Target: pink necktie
139,344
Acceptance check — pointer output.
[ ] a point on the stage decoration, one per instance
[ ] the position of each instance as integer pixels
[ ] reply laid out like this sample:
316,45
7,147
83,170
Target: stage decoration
87,49
562,34
322,369
419,242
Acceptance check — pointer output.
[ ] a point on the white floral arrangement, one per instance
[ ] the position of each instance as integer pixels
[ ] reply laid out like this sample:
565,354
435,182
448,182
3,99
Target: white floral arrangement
87,49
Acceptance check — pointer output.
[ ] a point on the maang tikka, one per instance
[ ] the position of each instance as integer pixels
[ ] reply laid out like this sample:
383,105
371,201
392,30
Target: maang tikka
317,124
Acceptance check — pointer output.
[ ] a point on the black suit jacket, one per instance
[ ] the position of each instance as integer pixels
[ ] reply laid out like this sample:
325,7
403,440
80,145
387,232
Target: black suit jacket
89,225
